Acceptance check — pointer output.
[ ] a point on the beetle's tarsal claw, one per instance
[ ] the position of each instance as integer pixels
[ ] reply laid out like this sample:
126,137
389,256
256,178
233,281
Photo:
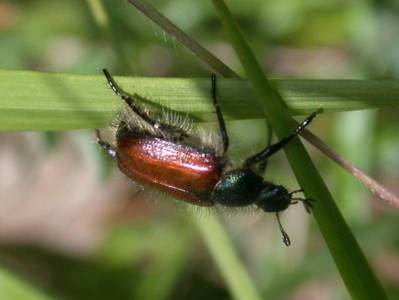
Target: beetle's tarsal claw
308,205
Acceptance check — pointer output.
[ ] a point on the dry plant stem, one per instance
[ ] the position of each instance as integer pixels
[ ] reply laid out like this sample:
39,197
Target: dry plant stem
217,65
367,181
225,71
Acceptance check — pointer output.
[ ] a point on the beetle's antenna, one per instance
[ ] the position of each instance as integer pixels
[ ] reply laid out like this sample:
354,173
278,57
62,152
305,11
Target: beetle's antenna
286,238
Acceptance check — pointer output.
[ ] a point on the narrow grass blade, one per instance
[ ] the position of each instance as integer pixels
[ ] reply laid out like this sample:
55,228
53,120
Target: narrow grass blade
13,287
99,14
102,20
45,101
225,257
355,271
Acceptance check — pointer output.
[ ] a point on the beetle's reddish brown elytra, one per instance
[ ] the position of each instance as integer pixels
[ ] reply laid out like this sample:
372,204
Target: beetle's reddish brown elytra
185,164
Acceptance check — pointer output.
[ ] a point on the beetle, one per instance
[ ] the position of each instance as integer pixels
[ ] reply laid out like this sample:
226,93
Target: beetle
175,160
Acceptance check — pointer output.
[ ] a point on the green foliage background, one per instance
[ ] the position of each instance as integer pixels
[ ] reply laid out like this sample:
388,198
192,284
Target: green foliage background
157,253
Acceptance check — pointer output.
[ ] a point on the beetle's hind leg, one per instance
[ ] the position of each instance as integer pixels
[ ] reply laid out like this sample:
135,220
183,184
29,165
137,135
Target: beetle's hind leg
167,129
222,125
128,99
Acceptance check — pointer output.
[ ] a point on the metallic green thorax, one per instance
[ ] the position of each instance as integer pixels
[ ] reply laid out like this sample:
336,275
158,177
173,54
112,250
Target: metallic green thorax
237,188
243,187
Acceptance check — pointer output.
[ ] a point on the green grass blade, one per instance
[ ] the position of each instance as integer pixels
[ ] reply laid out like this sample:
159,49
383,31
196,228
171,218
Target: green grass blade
354,269
225,257
13,287
102,20
99,14
45,101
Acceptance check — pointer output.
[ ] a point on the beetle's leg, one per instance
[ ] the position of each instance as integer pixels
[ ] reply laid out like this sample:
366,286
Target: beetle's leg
106,146
142,114
127,98
263,164
222,125
296,191
270,150
307,203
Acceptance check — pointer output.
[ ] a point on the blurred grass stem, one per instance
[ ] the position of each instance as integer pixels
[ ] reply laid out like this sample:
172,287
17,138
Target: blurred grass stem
102,20
359,279
226,259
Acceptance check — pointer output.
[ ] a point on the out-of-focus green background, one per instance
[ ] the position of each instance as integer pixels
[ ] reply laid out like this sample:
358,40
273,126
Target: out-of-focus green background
73,227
